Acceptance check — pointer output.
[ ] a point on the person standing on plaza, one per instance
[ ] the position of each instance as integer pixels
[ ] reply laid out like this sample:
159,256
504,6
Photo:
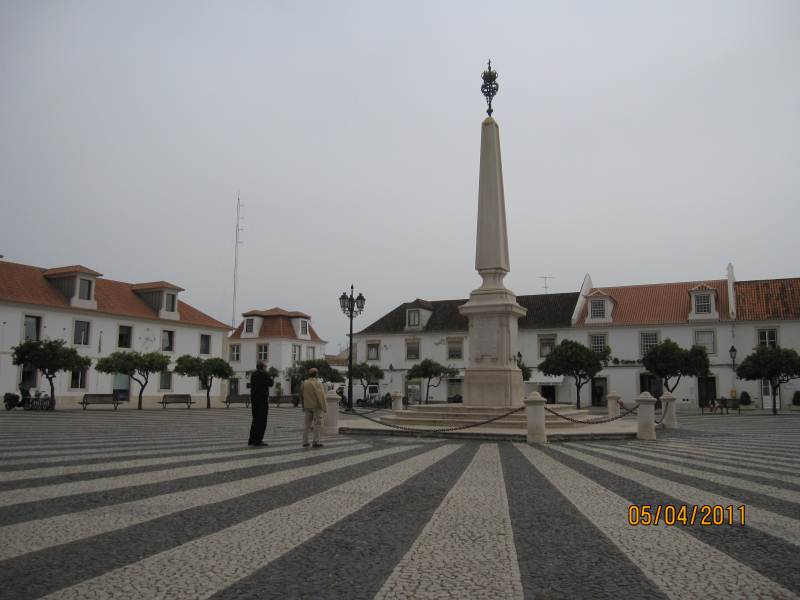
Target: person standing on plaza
313,396
260,382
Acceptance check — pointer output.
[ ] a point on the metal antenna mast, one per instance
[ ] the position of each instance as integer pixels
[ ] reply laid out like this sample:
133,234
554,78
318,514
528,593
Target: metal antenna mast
546,277
239,229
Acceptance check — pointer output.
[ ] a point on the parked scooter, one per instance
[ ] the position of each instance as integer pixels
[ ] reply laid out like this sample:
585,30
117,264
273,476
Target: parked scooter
39,401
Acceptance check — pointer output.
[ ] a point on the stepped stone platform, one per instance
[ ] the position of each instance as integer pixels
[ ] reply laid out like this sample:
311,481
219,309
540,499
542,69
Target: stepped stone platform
513,427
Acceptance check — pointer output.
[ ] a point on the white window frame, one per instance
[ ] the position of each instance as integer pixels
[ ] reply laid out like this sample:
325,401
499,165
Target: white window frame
297,353
418,342
40,332
594,311
160,381
249,325
91,285
412,317
713,332
235,352
374,345
311,353
88,341
598,334
85,385
174,298
642,351
172,331
706,304
200,344
766,330
453,343
129,325
262,352
303,327
543,337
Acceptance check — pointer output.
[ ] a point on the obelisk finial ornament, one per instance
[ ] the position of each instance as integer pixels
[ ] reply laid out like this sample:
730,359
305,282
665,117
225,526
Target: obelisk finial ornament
489,87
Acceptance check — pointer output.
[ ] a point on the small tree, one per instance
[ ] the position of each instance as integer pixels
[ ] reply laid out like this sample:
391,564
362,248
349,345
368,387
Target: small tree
299,371
367,374
576,360
136,365
49,357
431,370
526,370
205,369
777,365
668,361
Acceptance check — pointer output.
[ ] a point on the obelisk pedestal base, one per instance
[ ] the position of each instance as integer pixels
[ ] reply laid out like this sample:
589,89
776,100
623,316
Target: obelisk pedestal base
493,387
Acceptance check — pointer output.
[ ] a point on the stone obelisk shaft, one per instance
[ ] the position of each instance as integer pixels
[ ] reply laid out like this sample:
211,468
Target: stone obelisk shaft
492,377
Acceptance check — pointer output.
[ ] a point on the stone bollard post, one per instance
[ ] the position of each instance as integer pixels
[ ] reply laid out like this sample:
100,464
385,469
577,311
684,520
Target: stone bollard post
397,401
668,402
534,409
330,423
612,400
647,417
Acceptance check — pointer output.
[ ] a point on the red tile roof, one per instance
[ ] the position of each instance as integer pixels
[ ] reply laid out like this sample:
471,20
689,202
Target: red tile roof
155,285
28,285
768,299
277,325
70,270
276,312
658,303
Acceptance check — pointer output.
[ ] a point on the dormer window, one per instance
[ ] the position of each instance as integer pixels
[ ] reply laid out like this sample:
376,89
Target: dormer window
248,325
303,327
597,309
413,317
85,289
171,302
702,304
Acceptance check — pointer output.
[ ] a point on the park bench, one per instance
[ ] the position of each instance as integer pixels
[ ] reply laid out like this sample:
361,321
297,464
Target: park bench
99,399
723,404
237,399
176,399
294,399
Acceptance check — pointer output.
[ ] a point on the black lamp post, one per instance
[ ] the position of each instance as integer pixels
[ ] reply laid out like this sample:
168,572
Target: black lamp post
351,307
732,354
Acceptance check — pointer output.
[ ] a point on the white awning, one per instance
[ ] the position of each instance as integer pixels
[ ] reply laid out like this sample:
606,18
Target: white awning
539,378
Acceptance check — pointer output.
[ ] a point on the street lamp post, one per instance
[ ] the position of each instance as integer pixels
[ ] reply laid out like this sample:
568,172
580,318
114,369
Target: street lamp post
732,354
351,307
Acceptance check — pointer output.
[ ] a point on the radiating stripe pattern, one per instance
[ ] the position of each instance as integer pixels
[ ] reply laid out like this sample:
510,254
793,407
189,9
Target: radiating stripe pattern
172,504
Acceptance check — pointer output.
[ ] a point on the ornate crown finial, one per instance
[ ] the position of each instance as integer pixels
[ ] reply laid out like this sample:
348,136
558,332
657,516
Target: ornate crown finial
489,87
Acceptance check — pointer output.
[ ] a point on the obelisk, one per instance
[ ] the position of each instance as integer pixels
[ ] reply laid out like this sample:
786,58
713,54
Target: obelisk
492,377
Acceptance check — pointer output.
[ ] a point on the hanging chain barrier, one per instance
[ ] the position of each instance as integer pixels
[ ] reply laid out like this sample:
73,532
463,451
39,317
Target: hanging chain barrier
432,431
592,421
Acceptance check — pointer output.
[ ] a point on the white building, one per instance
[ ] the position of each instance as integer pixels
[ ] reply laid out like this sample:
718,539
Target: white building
99,316
277,337
718,314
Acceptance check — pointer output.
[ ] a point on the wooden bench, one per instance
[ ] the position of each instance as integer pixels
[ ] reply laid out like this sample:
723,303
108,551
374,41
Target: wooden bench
237,399
99,399
176,399
723,404
294,399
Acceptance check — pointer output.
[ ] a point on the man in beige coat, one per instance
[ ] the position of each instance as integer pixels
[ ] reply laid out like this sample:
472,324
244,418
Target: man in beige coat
312,395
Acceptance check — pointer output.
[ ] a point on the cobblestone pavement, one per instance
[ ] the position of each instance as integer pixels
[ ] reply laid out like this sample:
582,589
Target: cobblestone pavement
172,504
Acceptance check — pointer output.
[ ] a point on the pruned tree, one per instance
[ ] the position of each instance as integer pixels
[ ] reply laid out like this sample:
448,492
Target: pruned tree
775,364
669,361
577,361
49,357
205,369
431,370
526,370
136,365
299,371
367,374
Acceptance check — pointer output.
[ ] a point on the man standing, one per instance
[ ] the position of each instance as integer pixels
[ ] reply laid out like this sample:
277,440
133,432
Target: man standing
313,396
260,382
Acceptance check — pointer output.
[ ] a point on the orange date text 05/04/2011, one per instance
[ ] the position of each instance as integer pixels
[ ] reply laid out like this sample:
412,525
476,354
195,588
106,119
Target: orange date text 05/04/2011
708,515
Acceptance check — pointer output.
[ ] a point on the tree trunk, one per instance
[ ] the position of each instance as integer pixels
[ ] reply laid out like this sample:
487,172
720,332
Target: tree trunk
578,385
775,390
427,390
52,389
141,392
208,394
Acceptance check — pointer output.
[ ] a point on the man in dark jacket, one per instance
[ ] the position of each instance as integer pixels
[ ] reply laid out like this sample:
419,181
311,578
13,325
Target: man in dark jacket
260,382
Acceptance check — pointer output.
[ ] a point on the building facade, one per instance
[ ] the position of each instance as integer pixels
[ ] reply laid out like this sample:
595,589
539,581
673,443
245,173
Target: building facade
99,316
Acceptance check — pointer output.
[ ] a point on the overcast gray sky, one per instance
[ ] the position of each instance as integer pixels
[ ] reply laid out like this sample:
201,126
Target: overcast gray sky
642,142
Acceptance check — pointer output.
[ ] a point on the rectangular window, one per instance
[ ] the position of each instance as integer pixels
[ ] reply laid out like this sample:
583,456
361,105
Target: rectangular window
768,337
124,336
233,353
310,352
165,380
598,342
412,349
77,380
373,350
248,325
597,309
263,352
171,302
81,333
205,343
647,339
297,353
702,303
413,318
304,327
29,377
85,289
546,345
33,328
455,349
707,339
167,340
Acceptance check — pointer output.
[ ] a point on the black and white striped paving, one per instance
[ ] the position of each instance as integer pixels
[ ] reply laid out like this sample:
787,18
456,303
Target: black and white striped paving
172,504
